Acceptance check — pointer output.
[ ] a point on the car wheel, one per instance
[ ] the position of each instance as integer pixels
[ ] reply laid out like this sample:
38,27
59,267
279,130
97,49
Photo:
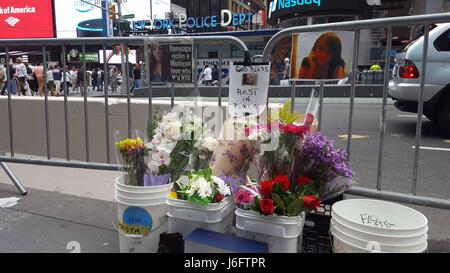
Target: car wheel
444,117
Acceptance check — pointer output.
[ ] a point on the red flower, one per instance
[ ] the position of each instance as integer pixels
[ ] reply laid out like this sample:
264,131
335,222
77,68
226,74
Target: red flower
265,188
294,129
218,198
266,206
303,180
284,182
309,119
311,202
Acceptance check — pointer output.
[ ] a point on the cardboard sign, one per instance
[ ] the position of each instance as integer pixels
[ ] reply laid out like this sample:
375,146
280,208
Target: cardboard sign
249,85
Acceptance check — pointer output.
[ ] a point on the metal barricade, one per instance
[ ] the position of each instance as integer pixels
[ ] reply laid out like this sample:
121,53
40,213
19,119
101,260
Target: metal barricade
356,26
44,44
388,24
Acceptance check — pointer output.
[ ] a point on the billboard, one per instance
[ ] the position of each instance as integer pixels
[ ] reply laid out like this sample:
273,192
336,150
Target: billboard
280,9
115,57
26,19
75,18
322,55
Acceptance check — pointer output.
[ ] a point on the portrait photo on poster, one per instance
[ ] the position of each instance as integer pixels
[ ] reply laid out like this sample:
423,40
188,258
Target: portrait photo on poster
159,63
250,79
322,55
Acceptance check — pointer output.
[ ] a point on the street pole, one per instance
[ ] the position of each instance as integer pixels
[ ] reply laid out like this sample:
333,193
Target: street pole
122,48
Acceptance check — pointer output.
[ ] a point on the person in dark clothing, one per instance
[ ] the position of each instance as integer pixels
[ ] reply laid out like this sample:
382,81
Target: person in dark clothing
12,81
137,76
215,74
94,79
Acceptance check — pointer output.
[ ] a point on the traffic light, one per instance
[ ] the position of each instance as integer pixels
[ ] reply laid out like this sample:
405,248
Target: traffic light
112,12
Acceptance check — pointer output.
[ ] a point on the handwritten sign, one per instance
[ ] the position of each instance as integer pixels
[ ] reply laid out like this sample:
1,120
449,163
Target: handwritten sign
375,221
249,85
181,63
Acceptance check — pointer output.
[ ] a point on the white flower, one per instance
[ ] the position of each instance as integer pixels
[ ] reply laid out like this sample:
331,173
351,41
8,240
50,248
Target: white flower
173,130
153,167
206,143
183,181
221,186
204,188
161,157
260,135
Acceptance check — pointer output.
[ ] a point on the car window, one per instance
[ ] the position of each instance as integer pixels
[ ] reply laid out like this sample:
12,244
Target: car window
442,43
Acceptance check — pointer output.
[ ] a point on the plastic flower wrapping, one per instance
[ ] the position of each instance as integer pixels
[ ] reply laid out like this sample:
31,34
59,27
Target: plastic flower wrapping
131,154
202,187
178,136
297,169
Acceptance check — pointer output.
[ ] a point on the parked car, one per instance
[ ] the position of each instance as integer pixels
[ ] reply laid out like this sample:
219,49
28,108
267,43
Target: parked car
405,86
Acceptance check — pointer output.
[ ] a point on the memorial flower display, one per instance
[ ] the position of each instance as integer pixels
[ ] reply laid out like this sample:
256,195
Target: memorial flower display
202,187
176,138
132,154
297,169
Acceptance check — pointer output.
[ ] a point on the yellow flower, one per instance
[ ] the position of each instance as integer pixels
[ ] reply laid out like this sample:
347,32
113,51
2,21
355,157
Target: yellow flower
173,195
128,144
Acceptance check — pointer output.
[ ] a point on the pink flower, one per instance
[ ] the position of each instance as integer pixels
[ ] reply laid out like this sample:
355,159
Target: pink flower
242,197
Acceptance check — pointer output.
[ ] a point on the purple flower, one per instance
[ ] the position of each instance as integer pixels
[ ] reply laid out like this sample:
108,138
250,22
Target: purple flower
325,164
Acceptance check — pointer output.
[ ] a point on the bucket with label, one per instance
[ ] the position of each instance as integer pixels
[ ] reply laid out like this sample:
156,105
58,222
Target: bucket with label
141,216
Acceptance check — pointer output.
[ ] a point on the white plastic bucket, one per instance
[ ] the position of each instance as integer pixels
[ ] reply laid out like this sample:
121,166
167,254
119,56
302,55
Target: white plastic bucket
141,216
186,216
281,233
382,239
380,217
413,248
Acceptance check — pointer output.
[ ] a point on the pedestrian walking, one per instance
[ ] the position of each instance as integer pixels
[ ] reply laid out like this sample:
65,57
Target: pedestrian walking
81,76
50,81
215,75
137,76
207,75
94,78
21,74
74,78
39,73
57,77
100,80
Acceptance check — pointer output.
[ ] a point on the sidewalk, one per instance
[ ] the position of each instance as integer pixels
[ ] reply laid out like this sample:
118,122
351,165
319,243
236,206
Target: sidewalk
46,221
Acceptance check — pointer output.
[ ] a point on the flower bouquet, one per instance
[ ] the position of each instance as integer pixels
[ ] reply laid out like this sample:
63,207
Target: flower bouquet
201,201
176,137
297,170
203,188
132,154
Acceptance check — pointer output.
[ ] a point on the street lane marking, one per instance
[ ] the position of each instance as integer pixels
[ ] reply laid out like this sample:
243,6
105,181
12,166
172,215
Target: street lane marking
409,116
433,148
353,137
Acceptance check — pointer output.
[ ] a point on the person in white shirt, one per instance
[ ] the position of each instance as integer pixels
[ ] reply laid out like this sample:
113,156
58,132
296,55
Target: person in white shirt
74,79
21,72
50,81
207,75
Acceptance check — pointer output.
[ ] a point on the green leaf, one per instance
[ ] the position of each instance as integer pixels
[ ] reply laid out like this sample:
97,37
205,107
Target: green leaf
297,203
278,201
277,188
199,200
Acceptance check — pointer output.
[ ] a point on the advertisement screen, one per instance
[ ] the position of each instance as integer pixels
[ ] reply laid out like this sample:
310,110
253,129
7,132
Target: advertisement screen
75,18
26,19
115,57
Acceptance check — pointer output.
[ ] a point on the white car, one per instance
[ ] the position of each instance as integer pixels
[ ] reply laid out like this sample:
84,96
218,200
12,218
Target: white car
405,86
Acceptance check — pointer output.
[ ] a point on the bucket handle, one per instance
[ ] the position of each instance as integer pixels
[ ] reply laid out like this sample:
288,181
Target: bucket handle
163,220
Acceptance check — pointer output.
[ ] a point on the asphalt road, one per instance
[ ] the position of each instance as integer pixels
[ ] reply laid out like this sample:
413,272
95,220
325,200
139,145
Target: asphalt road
398,151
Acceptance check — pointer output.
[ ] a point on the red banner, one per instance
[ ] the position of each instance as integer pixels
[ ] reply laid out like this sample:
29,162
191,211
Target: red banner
26,19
